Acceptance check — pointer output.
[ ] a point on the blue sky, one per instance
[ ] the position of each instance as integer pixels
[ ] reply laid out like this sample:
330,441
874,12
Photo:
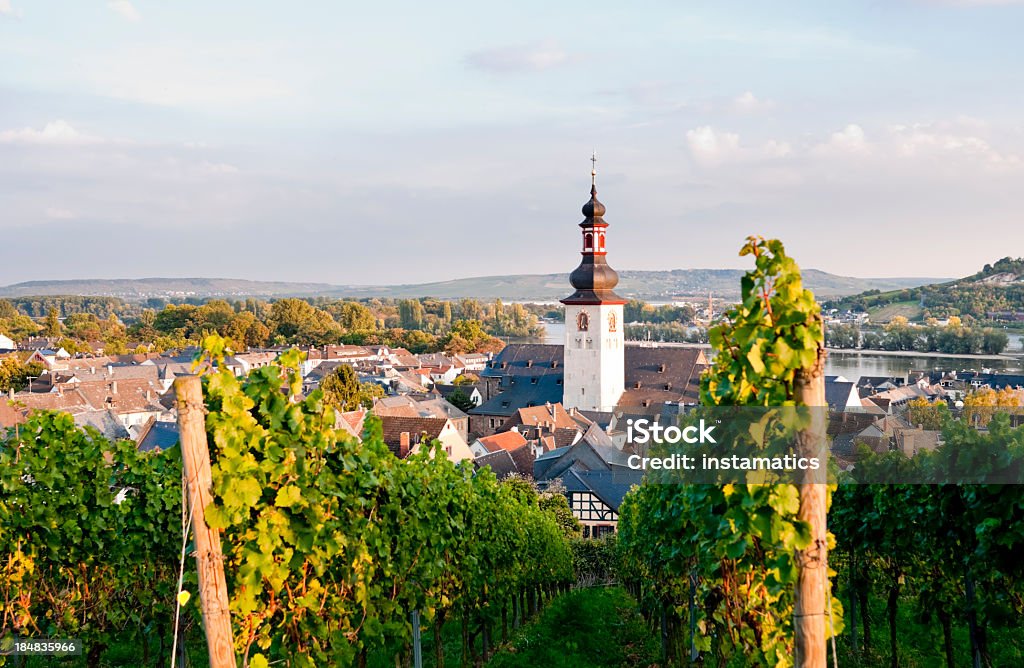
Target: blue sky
407,142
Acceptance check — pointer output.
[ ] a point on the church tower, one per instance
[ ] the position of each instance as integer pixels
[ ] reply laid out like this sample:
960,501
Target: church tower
594,338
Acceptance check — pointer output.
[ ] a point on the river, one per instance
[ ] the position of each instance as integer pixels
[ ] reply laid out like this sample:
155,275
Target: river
854,364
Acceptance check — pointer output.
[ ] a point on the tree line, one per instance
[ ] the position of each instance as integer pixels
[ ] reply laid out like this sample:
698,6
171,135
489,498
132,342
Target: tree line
900,335
420,325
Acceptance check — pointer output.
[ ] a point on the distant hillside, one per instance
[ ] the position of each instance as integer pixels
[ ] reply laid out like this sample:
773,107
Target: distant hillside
141,288
648,285
996,293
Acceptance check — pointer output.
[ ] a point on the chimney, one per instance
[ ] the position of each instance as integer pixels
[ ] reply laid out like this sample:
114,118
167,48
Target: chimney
113,387
403,445
92,370
10,393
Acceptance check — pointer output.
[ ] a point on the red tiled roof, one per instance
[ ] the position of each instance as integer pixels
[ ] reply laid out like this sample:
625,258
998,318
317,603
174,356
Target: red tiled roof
506,440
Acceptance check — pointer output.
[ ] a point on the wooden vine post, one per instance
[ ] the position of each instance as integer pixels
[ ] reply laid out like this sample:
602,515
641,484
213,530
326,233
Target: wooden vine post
195,454
812,591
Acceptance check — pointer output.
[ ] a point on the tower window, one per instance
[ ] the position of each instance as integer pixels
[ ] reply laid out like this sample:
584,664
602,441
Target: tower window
583,321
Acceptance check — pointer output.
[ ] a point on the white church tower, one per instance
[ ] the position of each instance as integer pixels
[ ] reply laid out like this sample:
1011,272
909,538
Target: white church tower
594,340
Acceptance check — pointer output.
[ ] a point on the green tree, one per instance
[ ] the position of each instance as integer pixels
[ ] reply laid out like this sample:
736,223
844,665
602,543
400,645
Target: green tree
343,391
461,400
410,313
52,327
14,374
298,322
468,336
555,503
354,317
926,414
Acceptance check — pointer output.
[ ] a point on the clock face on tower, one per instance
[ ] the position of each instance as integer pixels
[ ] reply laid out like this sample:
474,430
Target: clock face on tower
612,323
582,321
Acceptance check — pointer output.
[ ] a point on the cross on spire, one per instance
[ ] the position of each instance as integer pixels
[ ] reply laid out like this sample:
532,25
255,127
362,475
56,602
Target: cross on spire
593,170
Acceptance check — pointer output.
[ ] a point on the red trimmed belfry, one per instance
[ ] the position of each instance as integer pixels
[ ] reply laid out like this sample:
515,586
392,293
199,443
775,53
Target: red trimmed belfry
594,279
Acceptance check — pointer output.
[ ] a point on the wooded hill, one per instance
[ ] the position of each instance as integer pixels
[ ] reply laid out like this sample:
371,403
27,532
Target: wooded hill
649,285
996,293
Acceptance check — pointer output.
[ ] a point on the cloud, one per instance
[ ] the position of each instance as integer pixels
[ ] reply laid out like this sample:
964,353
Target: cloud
207,167
533,57
712,147
7,10
948,139
849,140
748,103
940,143
126,9
709,146
54,133
57,213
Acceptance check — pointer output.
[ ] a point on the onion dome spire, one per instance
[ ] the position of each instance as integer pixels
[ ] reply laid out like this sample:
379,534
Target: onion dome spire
594,279
593,208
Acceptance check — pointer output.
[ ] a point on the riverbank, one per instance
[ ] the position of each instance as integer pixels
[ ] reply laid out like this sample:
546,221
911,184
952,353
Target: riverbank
1002,357
1005,357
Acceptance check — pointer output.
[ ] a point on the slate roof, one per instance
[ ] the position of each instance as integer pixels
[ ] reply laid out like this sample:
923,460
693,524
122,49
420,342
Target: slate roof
525,359
521,392
659,374
105,422
609,486
160,436
837,393
500,462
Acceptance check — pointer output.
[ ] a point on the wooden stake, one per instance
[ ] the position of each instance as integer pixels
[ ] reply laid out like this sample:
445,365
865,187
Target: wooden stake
195,455
810,608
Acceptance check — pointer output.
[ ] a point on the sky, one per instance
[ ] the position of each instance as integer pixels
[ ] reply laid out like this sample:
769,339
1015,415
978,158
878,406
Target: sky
405,142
